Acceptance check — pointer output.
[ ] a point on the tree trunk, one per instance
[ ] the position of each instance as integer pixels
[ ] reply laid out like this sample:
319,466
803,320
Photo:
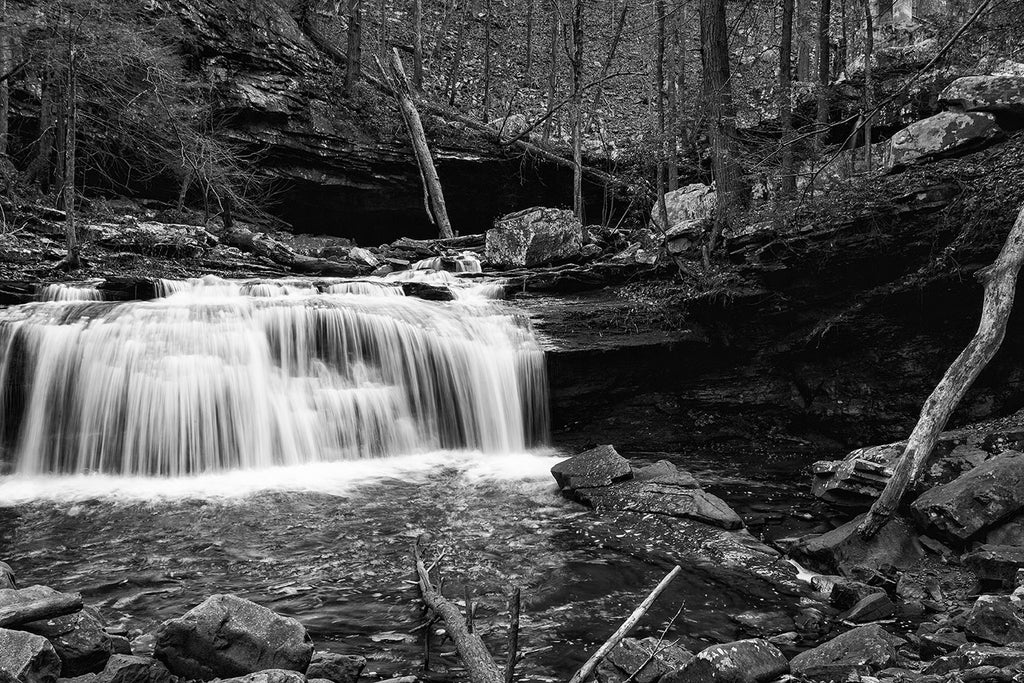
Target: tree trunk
417,44
786,99
460,47
1000,280
353,51
5,66
529,43
487,61
577,109
672,83
70,130
659,95
869,88
606,67
721,115
803,59
824,69
431,182
41,165
38,610
553,70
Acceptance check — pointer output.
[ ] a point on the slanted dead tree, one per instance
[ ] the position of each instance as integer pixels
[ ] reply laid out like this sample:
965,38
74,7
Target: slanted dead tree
1000,280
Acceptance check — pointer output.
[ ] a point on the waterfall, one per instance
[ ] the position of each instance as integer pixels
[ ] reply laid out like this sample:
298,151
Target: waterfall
63,292
220,374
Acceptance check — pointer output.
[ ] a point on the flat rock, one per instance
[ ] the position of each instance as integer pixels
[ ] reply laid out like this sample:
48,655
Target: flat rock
943,135
79,639
664,472
863,650
976,500
844,551
132,669
601,466
662,499
1002,94
995,619
974,655
27,658
743,661
228,636
335,667
996,563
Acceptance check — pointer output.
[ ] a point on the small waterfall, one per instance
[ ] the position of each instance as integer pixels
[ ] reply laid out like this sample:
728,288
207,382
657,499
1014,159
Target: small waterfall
63,292
224,374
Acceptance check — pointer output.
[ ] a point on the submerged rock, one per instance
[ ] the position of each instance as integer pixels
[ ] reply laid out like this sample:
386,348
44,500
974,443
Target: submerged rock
132,669
336,668
534,237
744,661
863,650
599,466
228,636
27,658
974,501
79,639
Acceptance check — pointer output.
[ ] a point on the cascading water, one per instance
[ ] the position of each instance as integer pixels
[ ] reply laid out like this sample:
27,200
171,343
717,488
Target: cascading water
219,375
63,292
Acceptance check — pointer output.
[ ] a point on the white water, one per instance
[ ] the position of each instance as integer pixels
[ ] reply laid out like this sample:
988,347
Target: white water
222,375
63,292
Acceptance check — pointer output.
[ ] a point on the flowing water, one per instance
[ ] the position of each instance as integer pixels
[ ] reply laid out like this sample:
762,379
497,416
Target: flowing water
287,441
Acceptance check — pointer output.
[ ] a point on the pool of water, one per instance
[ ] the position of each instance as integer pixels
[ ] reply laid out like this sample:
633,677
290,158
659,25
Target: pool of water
330,545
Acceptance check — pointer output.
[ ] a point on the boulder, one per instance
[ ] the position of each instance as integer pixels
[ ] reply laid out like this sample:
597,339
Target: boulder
27,658
601,466
743,661
645,660
228,636
335,667
664,472
995,619
874,607
943,135
863,650
844,551
691,203
973,655
79,639
534,237
996,563
7,579
269,676
662,499
131,669
846,592
1010,532
976,500
993,94
428,291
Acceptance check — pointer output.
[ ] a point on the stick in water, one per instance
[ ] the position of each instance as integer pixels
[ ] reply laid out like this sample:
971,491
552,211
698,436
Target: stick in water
588,668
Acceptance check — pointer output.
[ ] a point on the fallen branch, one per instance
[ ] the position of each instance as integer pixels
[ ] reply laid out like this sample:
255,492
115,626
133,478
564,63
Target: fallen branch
1000,280
471,648
37,610
591,664
513,635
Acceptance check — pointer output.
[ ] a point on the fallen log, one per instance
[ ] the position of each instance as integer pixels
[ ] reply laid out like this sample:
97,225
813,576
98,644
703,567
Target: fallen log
471,648
280,253
43,608
1000,280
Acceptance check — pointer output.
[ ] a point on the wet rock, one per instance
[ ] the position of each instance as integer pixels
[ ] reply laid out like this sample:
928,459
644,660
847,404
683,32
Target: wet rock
994,94
874,607
534,237
132,669
428,291
846,593
995,619
335,667
662,499
943,135
601,466
27,658
7,579
764,624
269,676
974,501
811,621
863,650
79,639
646,660
972,655
744,661
843,550
664,472
996,563
227,636
120,645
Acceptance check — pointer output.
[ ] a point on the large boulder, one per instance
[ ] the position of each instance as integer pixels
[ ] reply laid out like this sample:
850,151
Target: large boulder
694,202
7,579
132,669
79,639
988,494
995,619
946,134
227,636
845,551
27,658
743,661
996,563
862,650
534,237
599,466
1001,95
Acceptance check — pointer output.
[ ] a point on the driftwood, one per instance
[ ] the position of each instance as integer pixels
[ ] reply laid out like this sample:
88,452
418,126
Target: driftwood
591,664
1000,280
471,648
43,608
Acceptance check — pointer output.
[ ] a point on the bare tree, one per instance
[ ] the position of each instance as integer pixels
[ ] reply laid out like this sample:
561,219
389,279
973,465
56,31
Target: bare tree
786,99
488,20
353,51
5,67
576,64
824,68
552,68
460,48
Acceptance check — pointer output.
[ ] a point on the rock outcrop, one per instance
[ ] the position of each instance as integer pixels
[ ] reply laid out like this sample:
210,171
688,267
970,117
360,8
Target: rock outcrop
534,237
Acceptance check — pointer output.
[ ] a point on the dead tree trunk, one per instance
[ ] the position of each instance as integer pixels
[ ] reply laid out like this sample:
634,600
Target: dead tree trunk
1000,280
37,610
472,651
437,210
